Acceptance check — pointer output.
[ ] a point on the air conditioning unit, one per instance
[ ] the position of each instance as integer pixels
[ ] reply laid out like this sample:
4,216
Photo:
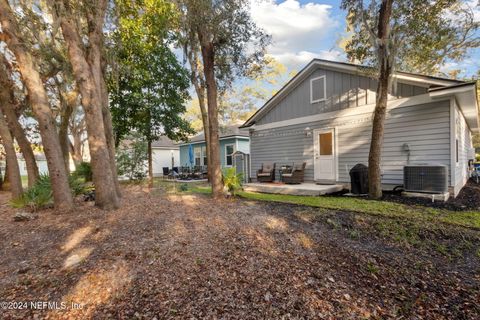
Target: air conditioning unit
425,178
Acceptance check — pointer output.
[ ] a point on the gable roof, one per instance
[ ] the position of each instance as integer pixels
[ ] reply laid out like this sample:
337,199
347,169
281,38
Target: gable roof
430,82
224,132
164,143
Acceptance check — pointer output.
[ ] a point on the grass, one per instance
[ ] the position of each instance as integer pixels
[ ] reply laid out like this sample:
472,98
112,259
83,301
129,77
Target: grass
470,219
403,224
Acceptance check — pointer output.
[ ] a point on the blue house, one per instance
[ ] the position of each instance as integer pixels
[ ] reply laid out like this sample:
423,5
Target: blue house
232,139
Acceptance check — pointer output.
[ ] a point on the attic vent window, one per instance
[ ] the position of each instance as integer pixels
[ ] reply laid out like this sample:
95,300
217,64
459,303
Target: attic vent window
317,89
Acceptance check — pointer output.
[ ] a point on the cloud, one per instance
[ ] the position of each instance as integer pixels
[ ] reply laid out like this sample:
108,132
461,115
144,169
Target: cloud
299,31
301,58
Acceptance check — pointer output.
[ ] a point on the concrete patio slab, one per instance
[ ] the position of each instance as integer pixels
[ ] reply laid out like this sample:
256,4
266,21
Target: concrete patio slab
304,189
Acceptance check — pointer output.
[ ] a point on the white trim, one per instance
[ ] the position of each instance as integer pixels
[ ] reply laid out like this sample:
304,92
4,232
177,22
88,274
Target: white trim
223,138
199,148
225,149
166,148
398,103
452,142
335,137
316,132
324,89
451,91
204,154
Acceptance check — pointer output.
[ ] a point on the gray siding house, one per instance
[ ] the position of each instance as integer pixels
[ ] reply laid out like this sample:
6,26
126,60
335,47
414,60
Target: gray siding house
323,117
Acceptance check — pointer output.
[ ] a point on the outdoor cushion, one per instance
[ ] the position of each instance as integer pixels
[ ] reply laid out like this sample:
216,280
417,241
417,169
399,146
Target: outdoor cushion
263,174
298,166
267,168
287,174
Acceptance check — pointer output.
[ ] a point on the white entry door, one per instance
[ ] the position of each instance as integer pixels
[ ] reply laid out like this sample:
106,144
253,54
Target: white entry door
324,155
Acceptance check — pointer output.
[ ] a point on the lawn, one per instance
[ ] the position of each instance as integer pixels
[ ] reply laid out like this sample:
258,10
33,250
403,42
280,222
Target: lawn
381,208
173,252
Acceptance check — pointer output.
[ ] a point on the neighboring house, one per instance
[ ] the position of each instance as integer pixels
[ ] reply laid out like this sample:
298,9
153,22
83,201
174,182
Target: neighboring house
323,116
165,153
41,163
231,139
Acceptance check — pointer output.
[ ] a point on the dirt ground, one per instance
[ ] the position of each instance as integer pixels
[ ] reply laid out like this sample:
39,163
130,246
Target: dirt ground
185,256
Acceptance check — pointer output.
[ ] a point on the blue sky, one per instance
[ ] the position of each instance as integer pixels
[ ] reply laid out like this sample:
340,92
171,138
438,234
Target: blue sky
302,30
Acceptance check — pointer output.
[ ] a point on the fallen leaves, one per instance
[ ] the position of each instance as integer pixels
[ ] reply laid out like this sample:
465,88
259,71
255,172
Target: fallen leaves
175,256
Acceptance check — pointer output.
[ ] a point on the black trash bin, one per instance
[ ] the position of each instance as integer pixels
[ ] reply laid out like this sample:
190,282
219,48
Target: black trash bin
359,179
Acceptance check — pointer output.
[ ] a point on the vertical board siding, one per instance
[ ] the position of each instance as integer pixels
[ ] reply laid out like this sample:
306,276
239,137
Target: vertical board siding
424,127
344,90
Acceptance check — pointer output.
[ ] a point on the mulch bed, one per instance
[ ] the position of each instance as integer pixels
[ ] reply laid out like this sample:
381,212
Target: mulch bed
165,256
467,199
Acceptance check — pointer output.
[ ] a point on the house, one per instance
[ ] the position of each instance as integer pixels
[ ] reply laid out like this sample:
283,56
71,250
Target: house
231,138
165,153
40,159
323,116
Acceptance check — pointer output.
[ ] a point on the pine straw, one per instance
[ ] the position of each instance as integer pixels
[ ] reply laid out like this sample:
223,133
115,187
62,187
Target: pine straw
185,256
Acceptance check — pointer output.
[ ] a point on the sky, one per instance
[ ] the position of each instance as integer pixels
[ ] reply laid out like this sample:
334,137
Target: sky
302,30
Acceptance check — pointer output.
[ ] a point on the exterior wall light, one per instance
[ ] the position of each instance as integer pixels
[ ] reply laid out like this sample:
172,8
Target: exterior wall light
308,132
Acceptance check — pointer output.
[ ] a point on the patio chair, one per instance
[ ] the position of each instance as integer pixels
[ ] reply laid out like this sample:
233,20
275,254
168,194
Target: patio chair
266,173
296,175
197,172
166,172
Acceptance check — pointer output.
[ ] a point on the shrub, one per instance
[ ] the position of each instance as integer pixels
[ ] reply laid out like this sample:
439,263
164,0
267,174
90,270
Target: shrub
84,170
232,180
40,195
132,158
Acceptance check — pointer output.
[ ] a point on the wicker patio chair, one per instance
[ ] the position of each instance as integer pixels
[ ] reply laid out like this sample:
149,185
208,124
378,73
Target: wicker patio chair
297,174
266,173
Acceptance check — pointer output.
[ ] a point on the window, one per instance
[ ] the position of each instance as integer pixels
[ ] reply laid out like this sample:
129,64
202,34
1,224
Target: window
326,144
229,150
318,89
204,154
198,155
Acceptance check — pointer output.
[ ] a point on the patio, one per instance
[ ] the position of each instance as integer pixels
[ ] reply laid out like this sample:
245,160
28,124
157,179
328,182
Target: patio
304,189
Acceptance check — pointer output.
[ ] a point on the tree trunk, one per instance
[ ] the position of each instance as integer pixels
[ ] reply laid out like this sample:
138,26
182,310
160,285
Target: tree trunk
6,183
1,179
92,101
76,147
7,106
150,164
40,105
199,85
23,143
208,57
11,156
63,134
378,126
76,151
206,130
95,20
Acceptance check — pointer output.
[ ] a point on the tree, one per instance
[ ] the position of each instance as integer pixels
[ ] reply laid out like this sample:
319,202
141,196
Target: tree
150,87
39,101
240,102
11,157
86,62
390,35
131,157
8,107
229,43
